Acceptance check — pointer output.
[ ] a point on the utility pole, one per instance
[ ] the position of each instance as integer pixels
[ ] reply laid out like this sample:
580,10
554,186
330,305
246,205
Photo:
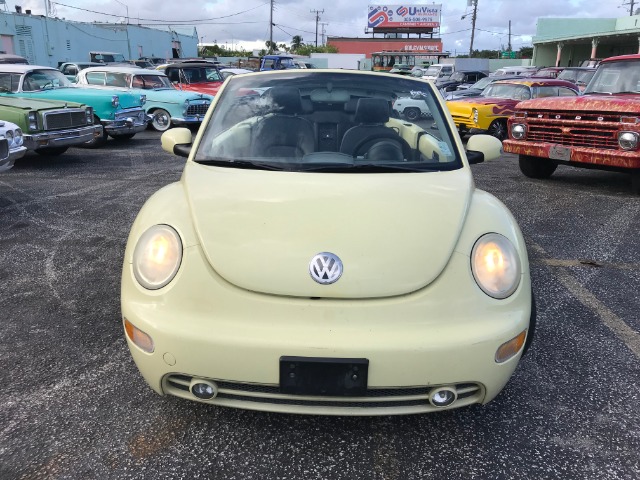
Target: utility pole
509,49
631,3
271,29
323,32
317,12
474,15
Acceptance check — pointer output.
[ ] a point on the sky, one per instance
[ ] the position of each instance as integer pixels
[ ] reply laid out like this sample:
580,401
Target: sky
245,23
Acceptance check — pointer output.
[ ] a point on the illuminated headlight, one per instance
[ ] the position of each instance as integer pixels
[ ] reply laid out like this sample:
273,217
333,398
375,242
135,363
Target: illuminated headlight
495,265
115,101
475,115
628,140
143,99
157,257
518,131
89,114
33,121
18,140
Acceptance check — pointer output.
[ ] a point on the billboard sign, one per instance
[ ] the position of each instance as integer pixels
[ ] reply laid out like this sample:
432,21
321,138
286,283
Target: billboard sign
404,16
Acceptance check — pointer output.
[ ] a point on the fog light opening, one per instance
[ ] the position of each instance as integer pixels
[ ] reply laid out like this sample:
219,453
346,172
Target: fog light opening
509,349
443,397
138,337
203,389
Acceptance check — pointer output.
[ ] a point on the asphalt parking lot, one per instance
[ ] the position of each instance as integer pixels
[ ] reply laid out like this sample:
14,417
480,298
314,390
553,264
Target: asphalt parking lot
73,405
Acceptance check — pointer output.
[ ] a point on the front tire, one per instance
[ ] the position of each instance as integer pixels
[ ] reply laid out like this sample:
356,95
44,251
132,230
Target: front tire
161,120
536,167
498,129
412,113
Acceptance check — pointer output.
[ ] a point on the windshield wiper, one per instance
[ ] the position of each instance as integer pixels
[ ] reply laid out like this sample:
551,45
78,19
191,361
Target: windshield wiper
597,93
230,163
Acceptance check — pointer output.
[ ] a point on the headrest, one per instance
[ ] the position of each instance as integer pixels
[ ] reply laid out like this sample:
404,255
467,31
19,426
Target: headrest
287,99
372,110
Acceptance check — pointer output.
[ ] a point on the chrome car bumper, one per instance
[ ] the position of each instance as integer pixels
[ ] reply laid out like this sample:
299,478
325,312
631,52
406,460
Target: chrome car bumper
127,123
7,162
61,138
187,120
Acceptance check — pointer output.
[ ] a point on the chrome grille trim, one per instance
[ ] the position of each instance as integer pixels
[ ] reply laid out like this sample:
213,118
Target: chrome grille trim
252,395
4,148
67,118
198,109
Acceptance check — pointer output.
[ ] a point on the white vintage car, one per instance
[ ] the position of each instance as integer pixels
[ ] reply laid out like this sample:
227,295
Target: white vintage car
11,145
320,256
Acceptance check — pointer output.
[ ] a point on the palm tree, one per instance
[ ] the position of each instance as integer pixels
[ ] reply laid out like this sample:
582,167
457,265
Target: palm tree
296,43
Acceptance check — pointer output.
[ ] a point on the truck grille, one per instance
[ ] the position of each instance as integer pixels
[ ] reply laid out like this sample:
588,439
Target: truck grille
200,109
574,129
68,118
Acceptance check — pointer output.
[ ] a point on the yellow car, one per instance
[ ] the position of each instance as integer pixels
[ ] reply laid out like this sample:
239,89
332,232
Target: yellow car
320,256
489,112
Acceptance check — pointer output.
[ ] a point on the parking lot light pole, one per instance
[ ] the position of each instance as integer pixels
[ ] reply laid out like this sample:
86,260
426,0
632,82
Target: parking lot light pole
127,27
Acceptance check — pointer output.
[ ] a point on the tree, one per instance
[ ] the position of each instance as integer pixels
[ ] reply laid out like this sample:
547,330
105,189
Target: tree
526,52
296,43
271,46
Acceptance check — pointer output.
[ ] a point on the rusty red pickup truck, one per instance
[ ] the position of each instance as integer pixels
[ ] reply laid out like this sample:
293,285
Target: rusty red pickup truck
598,129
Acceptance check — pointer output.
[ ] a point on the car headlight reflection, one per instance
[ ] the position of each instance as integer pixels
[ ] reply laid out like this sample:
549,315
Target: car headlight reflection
475,115
18,139
495,265
157,257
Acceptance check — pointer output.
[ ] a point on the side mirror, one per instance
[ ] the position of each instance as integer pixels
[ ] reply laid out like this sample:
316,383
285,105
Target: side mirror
483,147
177,141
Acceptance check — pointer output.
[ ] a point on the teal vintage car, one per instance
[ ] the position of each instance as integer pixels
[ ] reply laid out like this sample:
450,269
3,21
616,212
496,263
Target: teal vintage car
120,113
167,105
50,127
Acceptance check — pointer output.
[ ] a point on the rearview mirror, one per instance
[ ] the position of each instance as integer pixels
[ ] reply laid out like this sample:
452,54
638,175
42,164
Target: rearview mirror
177,141
483,147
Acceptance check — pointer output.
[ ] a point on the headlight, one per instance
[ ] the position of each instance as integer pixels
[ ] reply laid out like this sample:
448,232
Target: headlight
115,101
628,140
495,265
518,131
9,135
475,115
18,140
33,120
89,114
143,99
157,257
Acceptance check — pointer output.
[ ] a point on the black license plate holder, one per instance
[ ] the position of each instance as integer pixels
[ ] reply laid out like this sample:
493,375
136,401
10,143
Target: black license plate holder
319,376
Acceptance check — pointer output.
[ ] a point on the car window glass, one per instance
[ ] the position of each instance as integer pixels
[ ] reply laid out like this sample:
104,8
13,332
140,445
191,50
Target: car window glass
331,122
566,92
95,78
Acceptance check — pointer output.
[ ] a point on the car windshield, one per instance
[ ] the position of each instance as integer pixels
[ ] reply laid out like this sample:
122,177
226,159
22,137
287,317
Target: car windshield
615,77
432,72
201,74
457,77
44,79
512,91
327,122
483,82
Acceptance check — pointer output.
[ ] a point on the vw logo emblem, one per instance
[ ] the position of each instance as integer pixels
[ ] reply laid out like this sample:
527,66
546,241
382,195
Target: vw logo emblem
325,268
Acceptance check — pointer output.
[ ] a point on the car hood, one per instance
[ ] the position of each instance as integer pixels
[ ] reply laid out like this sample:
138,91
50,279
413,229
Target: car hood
210,88
394,233
37,104
593,103
86,95
171,95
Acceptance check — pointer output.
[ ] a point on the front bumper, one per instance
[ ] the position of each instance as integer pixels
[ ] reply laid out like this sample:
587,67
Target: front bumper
127,123
187,120
14,154
582,155
205,328
62,138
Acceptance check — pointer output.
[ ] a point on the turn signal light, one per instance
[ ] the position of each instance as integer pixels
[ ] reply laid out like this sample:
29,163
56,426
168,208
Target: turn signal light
138,337
511,348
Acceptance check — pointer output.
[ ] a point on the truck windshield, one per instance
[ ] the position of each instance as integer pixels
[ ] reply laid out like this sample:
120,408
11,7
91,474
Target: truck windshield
615,77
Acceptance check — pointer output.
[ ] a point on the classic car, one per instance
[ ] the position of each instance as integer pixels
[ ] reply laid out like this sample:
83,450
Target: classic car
598,129
581,76
166,105
477,88
460,79
71,69
319,256
548,72
488,113
11,145
50,127
201,77
120,113
228,72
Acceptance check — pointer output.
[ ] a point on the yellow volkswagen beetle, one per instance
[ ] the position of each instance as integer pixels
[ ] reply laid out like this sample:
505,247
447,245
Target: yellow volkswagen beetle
321,256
